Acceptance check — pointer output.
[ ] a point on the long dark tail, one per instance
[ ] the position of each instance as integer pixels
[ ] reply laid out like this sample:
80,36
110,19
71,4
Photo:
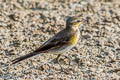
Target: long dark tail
24,57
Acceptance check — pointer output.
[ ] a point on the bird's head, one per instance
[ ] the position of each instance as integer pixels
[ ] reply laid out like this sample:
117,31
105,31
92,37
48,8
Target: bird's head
74,22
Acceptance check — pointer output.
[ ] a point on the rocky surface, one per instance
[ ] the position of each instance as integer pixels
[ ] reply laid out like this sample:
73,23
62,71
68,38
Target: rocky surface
26,24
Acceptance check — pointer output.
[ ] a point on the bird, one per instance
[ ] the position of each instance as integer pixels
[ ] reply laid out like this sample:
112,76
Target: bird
61,42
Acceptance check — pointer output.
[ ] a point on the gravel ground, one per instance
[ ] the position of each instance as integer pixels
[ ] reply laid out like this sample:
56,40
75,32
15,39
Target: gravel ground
26,24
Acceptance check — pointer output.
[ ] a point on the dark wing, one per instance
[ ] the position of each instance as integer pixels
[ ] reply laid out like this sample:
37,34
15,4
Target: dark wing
56,41
53,43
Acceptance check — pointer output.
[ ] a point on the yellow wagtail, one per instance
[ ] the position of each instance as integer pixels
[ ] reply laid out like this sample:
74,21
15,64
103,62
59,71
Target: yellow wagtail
60,42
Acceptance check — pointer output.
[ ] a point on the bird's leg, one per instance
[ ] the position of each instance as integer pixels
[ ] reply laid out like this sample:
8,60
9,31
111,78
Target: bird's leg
58,58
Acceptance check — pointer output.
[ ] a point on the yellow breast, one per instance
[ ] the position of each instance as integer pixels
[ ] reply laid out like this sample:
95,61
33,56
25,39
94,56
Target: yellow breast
74,39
